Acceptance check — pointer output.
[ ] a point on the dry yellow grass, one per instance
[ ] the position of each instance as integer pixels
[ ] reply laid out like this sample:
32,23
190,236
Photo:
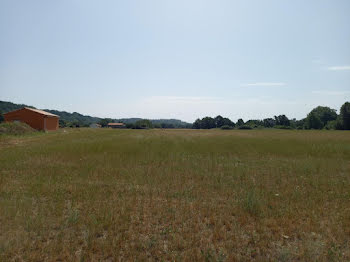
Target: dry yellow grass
175,195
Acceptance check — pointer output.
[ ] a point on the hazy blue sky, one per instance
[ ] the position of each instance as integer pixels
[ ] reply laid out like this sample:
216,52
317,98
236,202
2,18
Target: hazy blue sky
176,59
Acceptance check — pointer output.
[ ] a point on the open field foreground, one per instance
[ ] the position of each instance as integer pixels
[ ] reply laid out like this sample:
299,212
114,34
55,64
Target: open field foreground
175,195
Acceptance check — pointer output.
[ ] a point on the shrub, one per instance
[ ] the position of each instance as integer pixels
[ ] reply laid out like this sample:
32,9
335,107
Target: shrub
283,127
226,127
245,127
252,203
143,124
15,128
331,125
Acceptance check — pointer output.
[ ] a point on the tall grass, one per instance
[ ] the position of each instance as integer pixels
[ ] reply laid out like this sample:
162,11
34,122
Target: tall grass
95,194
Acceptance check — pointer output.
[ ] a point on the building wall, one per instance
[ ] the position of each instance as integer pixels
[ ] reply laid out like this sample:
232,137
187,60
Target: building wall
51,123
33,119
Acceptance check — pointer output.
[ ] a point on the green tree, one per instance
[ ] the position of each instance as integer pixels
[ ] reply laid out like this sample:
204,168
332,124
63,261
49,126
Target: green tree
76,123
240,122
282,120
227,122
207,123
300,124
226,127
222,121
219,121
197,124
325,114
104,122
1,117
313,121
143,124
345,115
254,123
269,122
62,123
331,125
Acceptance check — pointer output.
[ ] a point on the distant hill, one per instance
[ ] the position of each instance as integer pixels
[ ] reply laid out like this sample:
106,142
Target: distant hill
64,116
8,106
76,119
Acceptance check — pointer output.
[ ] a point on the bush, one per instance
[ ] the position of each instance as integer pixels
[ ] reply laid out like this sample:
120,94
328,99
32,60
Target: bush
331,125
252,203
339,124
15,128
283,127
226,127
245,127
143,124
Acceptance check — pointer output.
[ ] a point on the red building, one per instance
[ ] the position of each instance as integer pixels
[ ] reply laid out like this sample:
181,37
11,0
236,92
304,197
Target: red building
116,125
37,119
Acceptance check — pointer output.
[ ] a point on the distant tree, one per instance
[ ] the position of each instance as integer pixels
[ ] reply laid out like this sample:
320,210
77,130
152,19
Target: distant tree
219,121
331,125
240,122
227,122
197,124
282,120
226,127
143,124
269,122
207,123
325,114
104,122
345,116
245,127
300,124
76,123
165,125
62,123
254,123
313,121
1,117
129,125
339,123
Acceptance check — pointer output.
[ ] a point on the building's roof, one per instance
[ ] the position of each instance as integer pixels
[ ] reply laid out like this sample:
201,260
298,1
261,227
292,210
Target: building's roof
35,110
116,124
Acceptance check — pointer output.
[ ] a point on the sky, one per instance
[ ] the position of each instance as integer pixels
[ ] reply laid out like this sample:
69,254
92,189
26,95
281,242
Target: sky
182,59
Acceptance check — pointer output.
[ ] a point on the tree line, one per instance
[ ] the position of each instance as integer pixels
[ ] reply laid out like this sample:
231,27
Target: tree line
321,117
78,120
140,123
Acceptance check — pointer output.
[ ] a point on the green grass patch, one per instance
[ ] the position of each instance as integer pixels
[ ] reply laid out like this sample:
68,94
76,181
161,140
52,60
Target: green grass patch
15,128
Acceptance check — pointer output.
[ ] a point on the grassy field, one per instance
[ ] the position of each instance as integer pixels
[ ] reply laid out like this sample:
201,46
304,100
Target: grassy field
175,195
